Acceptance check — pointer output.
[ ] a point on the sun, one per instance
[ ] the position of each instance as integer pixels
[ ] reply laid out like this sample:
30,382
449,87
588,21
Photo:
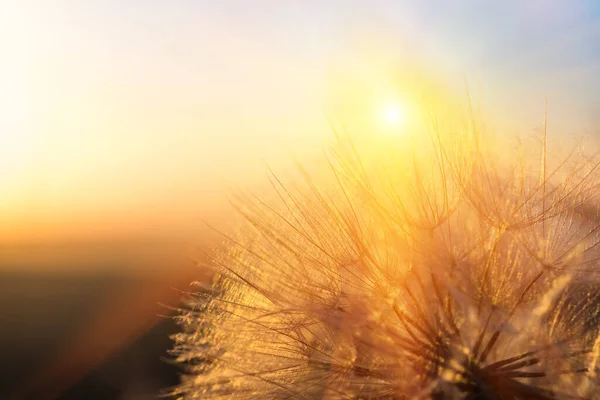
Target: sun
393,116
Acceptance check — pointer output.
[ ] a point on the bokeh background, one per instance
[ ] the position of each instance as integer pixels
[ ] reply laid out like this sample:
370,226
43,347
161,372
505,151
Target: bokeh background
125,124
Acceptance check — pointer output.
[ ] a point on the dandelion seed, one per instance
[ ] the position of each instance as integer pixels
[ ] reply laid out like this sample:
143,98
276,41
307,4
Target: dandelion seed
446,280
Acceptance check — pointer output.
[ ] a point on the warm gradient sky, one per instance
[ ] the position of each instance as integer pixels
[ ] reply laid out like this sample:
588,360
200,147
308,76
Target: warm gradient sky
121,116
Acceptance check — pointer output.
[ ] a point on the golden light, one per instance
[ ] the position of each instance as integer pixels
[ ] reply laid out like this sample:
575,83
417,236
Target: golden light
393,116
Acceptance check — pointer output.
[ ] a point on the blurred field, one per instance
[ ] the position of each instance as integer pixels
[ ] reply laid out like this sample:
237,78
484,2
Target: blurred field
92,326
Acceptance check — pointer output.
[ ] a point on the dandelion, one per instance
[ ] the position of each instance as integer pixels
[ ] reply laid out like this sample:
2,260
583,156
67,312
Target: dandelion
436,272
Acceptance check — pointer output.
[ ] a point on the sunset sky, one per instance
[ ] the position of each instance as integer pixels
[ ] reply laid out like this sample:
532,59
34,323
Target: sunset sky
128,117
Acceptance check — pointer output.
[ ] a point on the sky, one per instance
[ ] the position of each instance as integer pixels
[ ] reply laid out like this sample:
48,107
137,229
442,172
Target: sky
130,117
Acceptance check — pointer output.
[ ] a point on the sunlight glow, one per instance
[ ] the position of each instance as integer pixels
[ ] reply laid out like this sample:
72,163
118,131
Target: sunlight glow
393,116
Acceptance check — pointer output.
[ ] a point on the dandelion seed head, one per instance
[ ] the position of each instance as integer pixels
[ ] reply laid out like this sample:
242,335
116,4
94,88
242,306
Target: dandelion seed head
457,277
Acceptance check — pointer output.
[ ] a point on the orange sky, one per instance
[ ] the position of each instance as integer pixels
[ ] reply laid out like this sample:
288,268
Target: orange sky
124,120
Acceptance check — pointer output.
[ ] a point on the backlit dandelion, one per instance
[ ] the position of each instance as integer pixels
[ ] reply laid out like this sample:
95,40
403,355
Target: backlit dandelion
437,273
